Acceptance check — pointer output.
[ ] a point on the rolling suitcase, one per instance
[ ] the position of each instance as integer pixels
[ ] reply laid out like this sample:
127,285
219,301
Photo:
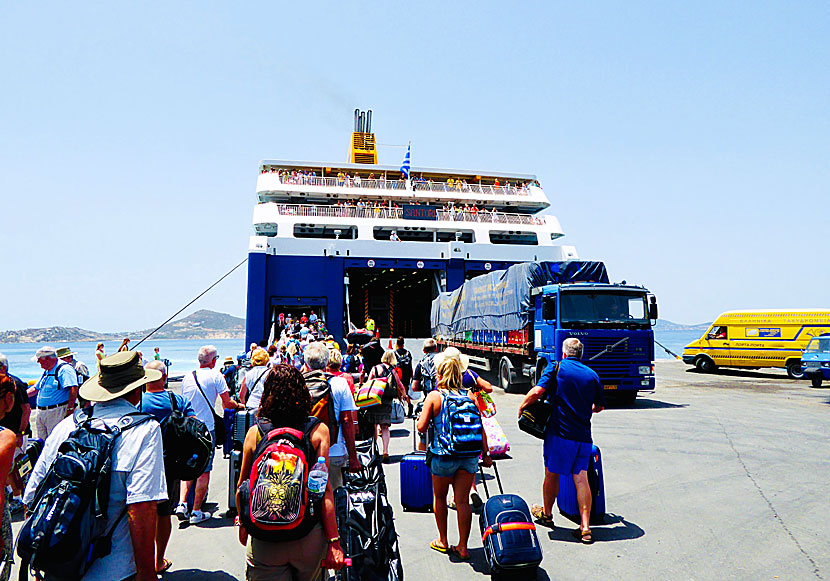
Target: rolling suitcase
566,499
416,480
228,420
242,422
508,533
234,467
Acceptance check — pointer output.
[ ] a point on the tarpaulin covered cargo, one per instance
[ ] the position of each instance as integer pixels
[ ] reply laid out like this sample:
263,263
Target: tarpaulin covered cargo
500,300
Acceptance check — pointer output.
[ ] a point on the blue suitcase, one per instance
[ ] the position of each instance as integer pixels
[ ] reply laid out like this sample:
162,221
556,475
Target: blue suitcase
566,499
416,480
508,533
228,419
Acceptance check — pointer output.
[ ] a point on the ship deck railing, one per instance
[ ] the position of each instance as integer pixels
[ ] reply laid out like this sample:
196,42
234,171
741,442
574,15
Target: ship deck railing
385,212
402,185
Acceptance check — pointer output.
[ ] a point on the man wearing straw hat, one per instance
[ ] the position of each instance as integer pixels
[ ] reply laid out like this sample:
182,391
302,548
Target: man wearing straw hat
137,467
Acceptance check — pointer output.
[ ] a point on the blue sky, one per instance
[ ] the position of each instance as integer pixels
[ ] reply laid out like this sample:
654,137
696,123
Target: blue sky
685,144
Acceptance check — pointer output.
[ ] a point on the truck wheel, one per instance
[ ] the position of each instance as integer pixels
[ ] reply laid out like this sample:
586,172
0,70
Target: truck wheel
705,365
794,369
815,381
541,365
505,368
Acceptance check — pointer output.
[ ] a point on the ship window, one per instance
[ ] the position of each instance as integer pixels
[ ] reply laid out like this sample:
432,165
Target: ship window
511,237
328,231
404,234
451,235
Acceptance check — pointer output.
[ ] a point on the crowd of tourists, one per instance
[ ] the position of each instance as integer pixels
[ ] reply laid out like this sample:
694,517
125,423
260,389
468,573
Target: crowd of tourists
132,454
419,182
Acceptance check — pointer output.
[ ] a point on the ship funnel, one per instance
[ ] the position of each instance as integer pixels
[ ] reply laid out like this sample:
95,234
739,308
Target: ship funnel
362,149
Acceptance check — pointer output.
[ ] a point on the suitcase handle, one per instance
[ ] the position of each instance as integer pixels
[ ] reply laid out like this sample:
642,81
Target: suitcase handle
484,482
508,526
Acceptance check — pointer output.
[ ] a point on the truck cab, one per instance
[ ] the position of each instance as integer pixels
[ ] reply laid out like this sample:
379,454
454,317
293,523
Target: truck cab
815,362
613,322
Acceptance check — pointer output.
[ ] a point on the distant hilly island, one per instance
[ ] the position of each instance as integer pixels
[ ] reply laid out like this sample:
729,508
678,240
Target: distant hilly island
202,324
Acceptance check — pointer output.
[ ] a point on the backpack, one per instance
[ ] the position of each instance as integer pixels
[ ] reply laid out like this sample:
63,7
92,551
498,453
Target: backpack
67,529
428,373
187,444
461,428
322,403
404,359
274,504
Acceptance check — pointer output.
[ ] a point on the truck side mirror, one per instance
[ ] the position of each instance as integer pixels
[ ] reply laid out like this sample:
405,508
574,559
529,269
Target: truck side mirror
652,308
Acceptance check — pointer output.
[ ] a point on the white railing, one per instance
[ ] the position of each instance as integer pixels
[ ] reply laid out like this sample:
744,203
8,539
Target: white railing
401,185
393,213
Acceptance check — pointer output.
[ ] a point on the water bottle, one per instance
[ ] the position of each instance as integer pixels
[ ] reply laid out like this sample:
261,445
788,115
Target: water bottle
317,479
192,462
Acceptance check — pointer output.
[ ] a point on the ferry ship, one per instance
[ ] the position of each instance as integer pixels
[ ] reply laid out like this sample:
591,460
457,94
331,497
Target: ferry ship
358,240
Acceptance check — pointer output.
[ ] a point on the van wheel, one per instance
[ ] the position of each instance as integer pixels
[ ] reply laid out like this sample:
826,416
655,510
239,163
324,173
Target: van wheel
705,365
815,382
794,370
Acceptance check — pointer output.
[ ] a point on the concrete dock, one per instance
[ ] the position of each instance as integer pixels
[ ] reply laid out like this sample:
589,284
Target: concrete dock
709,477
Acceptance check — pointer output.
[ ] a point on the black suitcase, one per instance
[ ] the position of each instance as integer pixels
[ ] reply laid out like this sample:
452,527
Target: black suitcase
234,467
508,533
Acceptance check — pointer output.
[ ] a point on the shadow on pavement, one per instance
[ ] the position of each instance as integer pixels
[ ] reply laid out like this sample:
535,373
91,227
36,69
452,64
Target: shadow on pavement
739,373
400,433
656,404
615,528
479,564
198,575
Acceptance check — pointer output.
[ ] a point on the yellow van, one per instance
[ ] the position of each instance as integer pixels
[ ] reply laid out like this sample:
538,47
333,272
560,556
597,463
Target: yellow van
754,339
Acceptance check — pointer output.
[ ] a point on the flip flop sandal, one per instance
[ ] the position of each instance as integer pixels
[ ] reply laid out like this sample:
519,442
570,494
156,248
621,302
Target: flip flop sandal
436,547
453,551
543,519
584,537
167,564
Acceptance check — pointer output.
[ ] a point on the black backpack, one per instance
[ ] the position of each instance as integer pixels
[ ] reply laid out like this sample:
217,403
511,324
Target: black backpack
67,530
187,444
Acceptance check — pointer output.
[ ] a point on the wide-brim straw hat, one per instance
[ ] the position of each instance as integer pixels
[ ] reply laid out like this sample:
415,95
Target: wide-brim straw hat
64,352
119,374
452,353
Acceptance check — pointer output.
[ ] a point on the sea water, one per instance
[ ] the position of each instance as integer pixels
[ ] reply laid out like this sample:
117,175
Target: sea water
182,353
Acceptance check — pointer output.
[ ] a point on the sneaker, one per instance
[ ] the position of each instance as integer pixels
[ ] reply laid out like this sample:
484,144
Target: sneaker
198,516
181,511
15,505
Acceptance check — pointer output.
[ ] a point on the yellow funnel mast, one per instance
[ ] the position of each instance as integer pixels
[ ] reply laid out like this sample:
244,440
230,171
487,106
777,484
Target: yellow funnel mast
362,149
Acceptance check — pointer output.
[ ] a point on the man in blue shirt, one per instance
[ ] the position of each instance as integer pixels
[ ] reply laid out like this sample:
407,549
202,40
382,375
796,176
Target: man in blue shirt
57,389
576,392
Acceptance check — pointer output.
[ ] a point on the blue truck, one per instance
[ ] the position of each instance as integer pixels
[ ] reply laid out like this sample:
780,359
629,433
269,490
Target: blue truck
515,320
815,362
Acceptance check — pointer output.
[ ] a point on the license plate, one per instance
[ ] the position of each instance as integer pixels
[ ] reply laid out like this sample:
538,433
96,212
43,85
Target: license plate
610,386
811,366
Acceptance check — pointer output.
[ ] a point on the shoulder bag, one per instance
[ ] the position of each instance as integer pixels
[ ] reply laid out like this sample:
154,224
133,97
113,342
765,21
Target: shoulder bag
218,423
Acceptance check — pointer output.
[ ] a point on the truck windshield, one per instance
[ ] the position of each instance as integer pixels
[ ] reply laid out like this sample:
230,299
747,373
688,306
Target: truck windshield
604,309
819,345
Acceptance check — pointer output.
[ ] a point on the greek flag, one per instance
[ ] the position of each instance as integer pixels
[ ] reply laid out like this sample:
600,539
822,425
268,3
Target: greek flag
405,164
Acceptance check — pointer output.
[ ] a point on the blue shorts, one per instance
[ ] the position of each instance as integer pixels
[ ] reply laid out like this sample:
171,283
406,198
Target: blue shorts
212,451
566,456
446,466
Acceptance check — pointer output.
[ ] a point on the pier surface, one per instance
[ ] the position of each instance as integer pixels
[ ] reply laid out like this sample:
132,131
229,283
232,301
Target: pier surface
710,476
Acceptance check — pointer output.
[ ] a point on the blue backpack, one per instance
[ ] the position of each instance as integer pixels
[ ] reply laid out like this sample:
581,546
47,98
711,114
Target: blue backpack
67,530
461,429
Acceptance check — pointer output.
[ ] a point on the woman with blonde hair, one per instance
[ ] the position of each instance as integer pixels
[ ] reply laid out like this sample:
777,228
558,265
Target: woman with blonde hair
450,467
381,415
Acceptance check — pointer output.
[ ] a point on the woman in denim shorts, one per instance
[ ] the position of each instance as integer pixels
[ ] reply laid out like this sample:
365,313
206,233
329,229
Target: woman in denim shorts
448,469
